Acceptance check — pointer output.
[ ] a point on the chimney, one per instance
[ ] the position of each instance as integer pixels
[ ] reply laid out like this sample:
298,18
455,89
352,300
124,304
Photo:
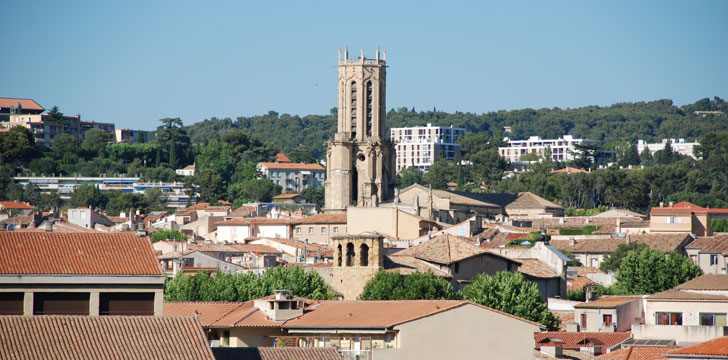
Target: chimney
572,241
662,204
671,203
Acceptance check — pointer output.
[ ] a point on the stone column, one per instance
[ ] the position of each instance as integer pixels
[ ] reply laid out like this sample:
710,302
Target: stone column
93,304
28,303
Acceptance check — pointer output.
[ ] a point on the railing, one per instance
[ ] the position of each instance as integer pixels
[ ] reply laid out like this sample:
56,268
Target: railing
356,354
361,62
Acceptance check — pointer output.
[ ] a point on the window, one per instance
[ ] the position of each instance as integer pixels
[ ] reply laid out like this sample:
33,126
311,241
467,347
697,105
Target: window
713,259
11,303
126,303
607,319
583,321
336,229
298,230
712,319
310,229
674,220
457,267
668,318
323,230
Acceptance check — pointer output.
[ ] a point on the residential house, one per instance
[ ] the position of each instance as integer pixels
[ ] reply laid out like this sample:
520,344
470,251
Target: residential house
79,274
237,230
710,253
590,250
188,170
545,266
250,257
291,199
399,329
103,338
692,312
526,205
319,228
708,350
681,218
276,353
451,258
295,251
293,177
553,343
609,314
87,217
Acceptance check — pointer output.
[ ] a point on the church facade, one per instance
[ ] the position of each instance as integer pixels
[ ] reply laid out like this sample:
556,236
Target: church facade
360,160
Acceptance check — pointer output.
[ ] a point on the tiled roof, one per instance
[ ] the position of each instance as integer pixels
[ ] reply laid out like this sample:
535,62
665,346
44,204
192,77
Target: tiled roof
569,170
677,295
572,340
323,219
15,205
198,206
28,104
565,317
288,196
670,211
234,248
276,353
207,312
583,270
406,265
77,254
661,242
254,221
711,244
444,249
535,268
618,213
578,282
706,282
242,211
715,347
102,337
607,302
531,200
699,209
638,353
282,158
311,247
292,166
369,314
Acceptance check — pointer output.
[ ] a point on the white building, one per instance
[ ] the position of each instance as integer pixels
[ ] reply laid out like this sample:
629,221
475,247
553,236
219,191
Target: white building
420,146
679,146
562,149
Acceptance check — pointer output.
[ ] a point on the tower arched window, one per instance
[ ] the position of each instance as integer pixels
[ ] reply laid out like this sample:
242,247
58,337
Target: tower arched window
349,254
364,255
368,107
338,255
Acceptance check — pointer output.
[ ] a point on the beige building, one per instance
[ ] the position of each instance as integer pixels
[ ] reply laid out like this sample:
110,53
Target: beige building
237,230
692,312
360,159
710,253
366,329
681,218
446,206
390,221
420,146
133,136
92,274
320,228
609,314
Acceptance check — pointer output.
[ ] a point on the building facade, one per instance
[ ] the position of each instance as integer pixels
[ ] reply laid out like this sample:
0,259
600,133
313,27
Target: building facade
293,177
420,146
359,158
133,136
679,146
562,149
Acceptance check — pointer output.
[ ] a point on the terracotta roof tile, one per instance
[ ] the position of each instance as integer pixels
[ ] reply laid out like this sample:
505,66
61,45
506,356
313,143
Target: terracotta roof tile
670,211
578,282
535,268
444,249
565,317
531,200
572,340
276,353
77,253
711,244
677,295
662,242
242,211
102,337
257,221
15,205
288,196
292,166
198,206
323,219
28,104
207,312
282,158
715,347
406,265
638,353
706,282
569,170
607,302
246,248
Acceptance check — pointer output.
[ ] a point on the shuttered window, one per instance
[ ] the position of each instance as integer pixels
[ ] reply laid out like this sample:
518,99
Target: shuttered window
126,303
60,303
11,303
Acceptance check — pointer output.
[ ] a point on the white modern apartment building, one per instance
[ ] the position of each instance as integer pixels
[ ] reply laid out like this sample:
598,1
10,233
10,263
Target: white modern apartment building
420,146
562,149
679,146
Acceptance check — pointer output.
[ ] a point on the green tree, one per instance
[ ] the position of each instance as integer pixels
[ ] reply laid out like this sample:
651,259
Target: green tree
586,155
50,200
54,115
719,225
512,293
17,144
440,173
410,175
94,143
211,185
31,194
164,234
87,195
630,156
300,282
650,271
666,155
612,261
261,190
174,140
389,285
315,195
180,288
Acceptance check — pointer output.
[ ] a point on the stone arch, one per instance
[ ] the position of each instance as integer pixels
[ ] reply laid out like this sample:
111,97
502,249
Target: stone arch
338,255
364,255
350,255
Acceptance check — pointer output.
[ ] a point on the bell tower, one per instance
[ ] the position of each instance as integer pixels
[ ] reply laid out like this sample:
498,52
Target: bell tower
360,159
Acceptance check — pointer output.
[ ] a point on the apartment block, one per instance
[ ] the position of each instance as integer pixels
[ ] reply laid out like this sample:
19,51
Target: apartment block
133,136
679,146
420,146
562,149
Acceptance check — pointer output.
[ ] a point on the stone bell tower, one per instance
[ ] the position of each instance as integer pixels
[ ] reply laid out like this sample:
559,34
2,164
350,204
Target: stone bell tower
360,159
357,259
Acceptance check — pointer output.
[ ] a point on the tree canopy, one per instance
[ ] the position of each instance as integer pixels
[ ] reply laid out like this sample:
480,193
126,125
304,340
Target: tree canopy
390,285
649,271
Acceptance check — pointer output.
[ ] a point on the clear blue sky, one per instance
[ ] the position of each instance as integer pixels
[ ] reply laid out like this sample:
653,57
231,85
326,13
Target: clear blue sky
134,62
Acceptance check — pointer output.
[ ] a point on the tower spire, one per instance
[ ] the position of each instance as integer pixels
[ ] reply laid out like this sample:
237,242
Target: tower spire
362,54
377,52
385,55
346,52
339,54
